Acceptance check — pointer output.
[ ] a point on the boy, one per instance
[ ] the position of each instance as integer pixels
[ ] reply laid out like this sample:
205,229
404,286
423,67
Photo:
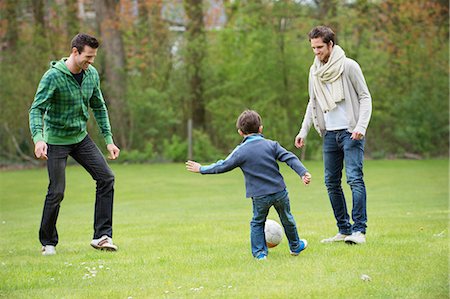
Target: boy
257,157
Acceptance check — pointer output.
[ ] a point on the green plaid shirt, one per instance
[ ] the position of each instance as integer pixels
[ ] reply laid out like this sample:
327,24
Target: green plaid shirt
59,112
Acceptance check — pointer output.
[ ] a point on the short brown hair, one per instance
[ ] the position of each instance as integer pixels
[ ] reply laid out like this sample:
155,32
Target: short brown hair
249,122
323,32
82,39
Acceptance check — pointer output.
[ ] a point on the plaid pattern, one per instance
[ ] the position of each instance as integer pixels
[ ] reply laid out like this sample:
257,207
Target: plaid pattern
59,112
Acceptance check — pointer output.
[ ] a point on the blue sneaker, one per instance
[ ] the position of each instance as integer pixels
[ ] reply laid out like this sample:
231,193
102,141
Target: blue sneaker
261,257
303,245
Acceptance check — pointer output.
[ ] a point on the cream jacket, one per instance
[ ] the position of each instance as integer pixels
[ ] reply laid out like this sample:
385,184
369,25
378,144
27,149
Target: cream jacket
357,99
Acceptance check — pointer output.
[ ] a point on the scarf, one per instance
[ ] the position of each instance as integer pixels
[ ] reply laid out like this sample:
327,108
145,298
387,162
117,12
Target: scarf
329,73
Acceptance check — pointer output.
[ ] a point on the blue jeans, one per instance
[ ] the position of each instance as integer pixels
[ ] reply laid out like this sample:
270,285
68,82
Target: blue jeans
87,154
339,148
261,206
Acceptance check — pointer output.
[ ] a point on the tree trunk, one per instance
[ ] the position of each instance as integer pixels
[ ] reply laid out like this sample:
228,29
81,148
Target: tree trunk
38,13
12,32
72,19
114,89
328,11
196,45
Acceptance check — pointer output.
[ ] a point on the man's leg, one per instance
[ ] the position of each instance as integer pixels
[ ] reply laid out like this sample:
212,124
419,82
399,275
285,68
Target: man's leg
90,157
333,157
354,156
56,165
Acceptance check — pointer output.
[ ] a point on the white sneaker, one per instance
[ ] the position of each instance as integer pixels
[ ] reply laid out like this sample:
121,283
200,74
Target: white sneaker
48,250
104,243
356,238
338,238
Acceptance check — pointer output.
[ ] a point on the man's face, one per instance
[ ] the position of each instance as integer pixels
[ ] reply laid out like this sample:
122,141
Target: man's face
85,58
321,49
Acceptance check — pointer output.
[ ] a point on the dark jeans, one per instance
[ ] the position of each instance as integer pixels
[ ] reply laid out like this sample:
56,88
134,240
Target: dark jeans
87,154
261,206
339,148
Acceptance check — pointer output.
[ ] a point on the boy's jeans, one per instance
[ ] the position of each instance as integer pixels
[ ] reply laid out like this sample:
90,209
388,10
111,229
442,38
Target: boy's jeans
339,148
261,206
89,156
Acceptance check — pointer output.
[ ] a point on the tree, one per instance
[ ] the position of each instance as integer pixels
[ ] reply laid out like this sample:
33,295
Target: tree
195,55
108,14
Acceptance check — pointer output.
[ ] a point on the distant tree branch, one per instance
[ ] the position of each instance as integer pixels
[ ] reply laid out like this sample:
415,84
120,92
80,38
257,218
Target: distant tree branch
16,145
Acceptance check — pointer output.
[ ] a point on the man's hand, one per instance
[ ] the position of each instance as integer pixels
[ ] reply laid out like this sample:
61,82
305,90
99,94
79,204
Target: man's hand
113,151
193,166
306,178
357,136
299,142
40,150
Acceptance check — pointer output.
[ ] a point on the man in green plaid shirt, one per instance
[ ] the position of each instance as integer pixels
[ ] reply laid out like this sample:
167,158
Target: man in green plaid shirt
58,118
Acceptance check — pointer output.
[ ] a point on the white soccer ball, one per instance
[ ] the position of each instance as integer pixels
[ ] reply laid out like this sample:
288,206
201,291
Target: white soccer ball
273,232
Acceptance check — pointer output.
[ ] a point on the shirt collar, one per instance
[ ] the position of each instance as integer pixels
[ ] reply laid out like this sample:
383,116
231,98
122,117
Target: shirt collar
253,137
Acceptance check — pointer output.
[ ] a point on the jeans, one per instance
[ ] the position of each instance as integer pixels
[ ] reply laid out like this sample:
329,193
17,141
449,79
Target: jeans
261,206
87,154
339,148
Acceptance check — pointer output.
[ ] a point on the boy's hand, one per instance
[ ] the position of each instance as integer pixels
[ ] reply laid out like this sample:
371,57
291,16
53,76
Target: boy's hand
193,166
306,178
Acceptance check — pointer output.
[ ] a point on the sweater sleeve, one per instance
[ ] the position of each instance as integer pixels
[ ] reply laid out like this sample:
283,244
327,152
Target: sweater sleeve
364,97
221,166
40,105
308,118
98,106
290,159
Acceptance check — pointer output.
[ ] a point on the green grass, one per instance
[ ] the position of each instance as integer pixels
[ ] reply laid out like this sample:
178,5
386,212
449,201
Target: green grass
183,235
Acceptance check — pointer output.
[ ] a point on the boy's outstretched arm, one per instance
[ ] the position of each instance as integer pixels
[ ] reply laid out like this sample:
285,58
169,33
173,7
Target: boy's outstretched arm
193,166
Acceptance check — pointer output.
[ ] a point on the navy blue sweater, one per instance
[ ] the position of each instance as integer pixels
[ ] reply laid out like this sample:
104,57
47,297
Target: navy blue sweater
257,157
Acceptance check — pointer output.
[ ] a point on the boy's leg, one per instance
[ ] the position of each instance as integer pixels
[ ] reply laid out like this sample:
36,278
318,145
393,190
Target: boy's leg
90,157
283,208
333,158
56,165
261,208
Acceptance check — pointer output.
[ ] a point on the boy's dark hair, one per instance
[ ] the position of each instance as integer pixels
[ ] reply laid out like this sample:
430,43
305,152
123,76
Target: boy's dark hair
249,122
82,39
323,32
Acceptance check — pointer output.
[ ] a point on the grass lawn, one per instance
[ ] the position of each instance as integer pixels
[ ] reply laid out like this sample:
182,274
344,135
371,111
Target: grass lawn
184,235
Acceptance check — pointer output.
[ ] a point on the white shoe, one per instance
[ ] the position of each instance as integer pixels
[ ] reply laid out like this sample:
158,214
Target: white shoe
104,243
356,238
48,250
338,238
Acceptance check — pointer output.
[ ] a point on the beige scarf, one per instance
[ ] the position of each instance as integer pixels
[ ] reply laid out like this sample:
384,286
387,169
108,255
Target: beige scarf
329,73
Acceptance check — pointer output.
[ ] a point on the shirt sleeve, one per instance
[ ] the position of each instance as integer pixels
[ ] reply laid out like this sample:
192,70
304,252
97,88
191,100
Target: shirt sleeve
98,106
40,105
290,159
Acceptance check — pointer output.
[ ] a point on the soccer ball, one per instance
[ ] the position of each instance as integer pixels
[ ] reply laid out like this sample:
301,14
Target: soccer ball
273,232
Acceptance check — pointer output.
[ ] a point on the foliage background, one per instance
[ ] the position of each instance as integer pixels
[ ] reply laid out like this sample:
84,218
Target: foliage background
164,62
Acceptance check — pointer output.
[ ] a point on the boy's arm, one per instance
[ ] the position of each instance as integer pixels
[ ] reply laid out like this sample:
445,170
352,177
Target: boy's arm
290,159
221,166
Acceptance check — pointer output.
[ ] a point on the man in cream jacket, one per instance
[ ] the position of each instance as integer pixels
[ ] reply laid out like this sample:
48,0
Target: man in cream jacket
339,107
